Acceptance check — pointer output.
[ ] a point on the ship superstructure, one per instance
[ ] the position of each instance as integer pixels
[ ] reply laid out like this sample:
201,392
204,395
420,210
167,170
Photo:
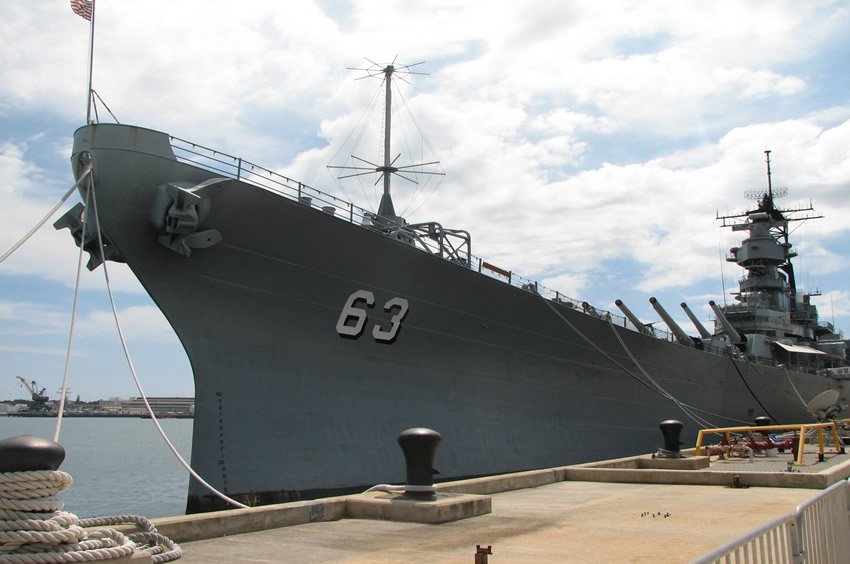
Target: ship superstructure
772,319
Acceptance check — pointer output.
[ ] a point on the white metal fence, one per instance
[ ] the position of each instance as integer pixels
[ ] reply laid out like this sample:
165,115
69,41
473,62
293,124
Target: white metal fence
818,531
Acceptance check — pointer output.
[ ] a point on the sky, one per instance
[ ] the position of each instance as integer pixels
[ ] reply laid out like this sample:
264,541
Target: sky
588,145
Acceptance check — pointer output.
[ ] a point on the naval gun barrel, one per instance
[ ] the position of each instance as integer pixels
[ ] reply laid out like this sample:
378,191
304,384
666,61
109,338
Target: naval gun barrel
703,332
680,335
633,318
733,334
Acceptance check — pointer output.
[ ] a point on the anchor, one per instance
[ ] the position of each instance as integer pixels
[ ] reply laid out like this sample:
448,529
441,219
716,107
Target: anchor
73,220
177,212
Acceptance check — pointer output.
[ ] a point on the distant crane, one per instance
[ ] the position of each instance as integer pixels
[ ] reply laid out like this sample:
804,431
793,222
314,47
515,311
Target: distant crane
39,399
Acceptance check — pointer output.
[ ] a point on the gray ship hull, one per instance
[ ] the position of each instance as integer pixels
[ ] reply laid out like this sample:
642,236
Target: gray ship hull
289,406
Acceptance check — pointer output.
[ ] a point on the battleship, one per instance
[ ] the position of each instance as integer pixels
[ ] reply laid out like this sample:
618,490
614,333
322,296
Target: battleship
317,330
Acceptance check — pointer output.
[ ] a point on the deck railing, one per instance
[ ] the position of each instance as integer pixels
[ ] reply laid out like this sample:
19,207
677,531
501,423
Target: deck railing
817,531
803,429
240,169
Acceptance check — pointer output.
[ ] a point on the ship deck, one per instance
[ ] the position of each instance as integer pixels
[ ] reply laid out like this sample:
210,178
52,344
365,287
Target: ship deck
625,512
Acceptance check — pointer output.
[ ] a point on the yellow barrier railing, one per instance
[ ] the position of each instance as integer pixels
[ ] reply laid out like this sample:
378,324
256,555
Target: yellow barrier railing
802,428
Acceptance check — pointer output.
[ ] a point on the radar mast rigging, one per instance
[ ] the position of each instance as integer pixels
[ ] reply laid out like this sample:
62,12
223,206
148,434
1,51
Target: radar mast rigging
386,209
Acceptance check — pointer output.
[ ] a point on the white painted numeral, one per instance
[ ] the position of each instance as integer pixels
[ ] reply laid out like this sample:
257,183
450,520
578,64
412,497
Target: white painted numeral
358,315
352,319
388,335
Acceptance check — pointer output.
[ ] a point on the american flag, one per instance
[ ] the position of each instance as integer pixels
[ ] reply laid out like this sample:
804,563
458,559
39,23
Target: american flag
82,8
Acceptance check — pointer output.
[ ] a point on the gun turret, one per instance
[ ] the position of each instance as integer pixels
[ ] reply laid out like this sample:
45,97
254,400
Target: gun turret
734,337
680,335
643,328
703,332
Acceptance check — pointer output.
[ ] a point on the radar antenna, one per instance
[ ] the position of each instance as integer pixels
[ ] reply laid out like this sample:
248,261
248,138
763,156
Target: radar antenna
407,172
825,406
772,193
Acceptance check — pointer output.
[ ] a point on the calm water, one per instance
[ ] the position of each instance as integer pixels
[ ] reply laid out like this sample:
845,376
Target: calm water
119,465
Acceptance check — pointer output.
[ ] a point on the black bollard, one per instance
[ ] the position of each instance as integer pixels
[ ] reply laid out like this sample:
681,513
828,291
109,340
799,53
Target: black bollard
420,446
26,453
672,430
762,421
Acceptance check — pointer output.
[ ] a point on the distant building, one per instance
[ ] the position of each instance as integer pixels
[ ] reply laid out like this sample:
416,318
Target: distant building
162,406
12,407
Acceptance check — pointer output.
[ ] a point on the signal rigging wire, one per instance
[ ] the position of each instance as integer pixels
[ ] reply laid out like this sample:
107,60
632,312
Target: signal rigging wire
653,385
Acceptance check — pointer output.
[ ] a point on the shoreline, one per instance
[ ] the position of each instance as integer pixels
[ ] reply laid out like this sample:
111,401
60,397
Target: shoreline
100,415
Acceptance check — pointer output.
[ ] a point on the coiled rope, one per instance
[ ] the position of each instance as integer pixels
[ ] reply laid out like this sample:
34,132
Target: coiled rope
35,530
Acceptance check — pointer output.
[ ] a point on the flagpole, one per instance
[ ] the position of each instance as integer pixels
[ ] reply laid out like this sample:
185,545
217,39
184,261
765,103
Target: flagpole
91,65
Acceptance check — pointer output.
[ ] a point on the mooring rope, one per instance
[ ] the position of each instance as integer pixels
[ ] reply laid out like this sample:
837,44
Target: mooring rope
43,220
689,410
35,530
88,176
63,394
686,409
209,487
793,387
752,393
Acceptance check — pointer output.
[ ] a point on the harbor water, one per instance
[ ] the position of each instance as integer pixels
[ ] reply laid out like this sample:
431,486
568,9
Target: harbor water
120,466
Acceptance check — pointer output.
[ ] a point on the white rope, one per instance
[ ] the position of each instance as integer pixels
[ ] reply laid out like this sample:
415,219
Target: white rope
66,373
38,225
684,407
412,488
793,387
652,384
688,410
35,530
389,488
86,175
138,383
48,503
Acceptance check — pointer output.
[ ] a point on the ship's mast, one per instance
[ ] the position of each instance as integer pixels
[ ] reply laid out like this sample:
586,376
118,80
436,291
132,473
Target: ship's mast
386,211
769,184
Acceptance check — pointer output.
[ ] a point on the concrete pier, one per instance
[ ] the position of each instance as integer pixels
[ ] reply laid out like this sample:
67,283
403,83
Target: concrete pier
560,522
630,510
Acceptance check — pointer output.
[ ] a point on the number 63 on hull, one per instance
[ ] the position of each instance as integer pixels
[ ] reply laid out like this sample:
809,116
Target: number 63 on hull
355,313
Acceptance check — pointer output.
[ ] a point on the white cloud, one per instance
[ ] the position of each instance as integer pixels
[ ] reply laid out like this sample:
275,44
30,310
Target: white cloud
586,143
137,323
32,319
23,350
28,319
48,254
833,304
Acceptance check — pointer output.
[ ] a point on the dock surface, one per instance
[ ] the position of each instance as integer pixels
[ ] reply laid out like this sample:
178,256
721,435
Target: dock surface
612,511
561,522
